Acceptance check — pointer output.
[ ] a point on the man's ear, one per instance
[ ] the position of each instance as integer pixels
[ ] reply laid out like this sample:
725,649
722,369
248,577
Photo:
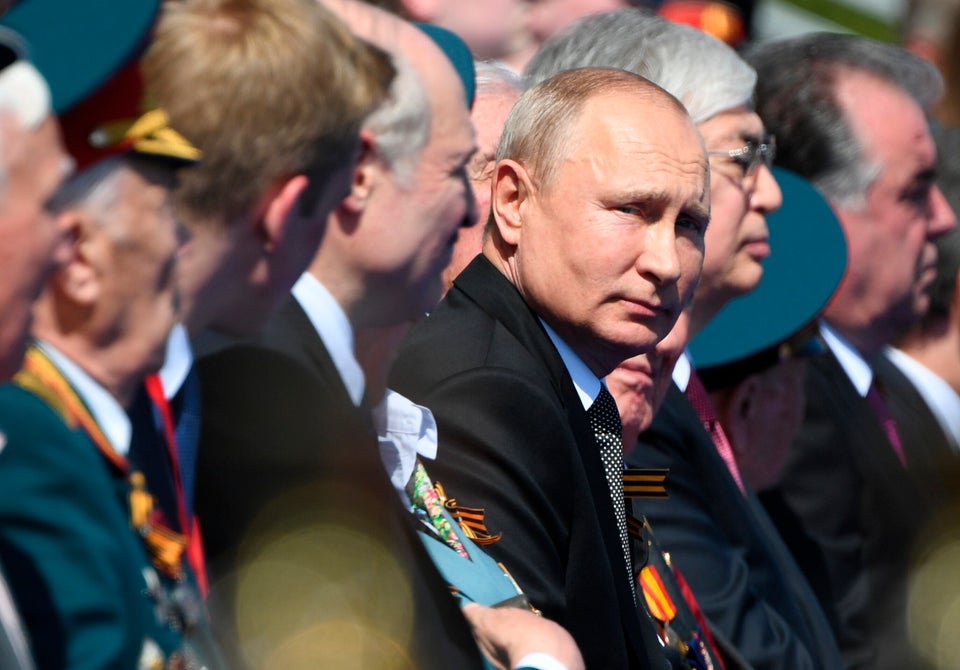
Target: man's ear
79,275
510,190
278,207
368,166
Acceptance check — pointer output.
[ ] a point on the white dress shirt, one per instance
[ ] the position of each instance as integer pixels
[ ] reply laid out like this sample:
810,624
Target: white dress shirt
857,369
106,410
943,401
586,383
334,330
682,371
177,361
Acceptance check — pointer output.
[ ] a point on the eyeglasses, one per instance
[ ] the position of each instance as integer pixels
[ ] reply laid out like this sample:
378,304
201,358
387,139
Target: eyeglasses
750,156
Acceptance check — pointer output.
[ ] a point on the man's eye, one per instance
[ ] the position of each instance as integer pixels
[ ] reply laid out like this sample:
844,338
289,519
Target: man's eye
632,210
692,224
744,161
918,196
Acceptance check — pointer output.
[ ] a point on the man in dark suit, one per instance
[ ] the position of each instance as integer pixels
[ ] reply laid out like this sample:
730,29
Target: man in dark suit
588,259
848,114
379,265
720,541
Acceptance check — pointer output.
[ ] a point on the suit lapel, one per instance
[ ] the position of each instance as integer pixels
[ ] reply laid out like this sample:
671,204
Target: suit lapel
482,283
928,452
875,456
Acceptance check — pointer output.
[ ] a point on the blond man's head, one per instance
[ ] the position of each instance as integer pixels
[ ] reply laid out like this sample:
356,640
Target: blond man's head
266,89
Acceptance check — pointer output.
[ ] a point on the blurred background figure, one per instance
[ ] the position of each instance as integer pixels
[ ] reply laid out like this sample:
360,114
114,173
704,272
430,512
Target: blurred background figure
849,115
752,356
929,353
32,165
493,30
497,89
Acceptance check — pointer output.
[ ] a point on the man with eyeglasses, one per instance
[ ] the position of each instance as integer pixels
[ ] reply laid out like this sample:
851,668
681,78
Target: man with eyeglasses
760,608
850,116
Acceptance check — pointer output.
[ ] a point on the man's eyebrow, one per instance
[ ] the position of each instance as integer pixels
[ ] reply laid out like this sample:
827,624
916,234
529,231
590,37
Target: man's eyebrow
698,210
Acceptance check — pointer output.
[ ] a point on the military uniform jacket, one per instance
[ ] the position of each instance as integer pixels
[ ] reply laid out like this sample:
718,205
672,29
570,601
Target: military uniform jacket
79,573
515,440
742,575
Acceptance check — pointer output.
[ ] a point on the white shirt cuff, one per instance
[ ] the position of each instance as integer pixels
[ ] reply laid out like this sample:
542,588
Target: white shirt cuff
540,662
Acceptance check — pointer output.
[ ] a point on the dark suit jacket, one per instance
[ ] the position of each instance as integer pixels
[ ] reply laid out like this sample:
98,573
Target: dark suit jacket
515,439
74,565
845,490
284,450
931,460
737,566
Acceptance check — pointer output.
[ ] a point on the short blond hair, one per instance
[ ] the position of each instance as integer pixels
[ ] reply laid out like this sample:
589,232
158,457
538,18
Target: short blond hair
266,89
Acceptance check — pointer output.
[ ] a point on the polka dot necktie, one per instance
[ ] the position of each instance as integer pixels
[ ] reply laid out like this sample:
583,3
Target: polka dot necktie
608,431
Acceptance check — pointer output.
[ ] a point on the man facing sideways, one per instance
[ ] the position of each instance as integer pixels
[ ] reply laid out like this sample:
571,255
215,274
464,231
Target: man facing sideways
79,538
594,245
273,92
32,164
848,114
288,435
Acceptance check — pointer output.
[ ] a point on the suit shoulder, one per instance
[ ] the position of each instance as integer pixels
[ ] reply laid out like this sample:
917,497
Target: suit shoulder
453,342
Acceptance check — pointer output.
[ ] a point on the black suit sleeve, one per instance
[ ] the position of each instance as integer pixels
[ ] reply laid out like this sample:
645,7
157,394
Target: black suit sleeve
717,569
504,446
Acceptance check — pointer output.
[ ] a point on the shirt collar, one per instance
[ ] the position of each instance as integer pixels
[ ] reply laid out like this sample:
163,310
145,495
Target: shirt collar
682,371
178,361
106,411
586,383
857,369
941,398
334,329
405,430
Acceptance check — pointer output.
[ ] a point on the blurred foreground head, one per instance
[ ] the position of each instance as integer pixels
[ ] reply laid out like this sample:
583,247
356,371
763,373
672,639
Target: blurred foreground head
273,92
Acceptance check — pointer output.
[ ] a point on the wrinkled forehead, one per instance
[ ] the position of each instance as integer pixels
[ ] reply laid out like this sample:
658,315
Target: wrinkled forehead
646,137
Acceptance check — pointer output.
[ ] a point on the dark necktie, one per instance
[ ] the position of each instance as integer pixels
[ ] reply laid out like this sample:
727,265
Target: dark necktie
880,409
185,406
698,397
608,431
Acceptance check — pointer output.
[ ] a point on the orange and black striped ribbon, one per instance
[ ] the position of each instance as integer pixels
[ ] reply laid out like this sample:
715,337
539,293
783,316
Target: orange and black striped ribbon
645,483
41,377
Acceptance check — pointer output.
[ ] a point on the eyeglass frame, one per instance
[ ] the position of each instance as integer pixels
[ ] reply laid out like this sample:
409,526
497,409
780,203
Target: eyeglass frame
760,153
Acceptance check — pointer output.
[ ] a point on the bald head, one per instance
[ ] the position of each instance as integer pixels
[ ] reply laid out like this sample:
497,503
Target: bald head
397,36
408,215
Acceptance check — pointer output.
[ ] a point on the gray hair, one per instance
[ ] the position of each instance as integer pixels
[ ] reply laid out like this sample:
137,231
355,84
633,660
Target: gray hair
401,124
493,76
705,74
796,99
93,189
